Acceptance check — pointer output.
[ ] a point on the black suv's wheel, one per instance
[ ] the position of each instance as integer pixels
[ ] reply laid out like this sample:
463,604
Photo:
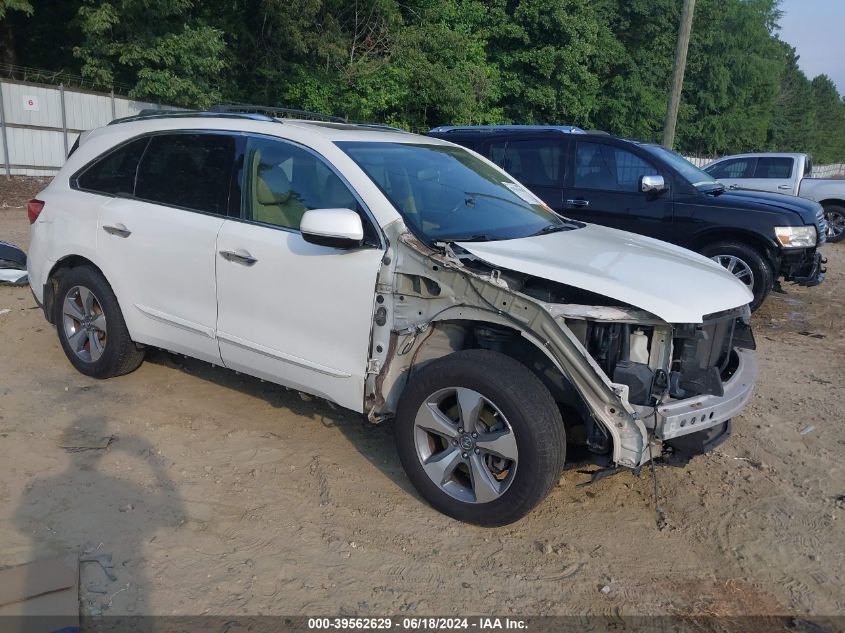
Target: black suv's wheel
747,264
91,328
835,215
480,437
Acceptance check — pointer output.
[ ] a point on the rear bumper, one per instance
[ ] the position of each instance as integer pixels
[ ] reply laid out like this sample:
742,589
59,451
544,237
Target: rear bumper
684,417
805,268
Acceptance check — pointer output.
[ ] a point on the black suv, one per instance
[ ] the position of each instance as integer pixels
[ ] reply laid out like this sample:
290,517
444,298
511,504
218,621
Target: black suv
647,189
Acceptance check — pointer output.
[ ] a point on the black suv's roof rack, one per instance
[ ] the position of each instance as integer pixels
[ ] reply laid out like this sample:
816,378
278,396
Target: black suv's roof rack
492,129
273,112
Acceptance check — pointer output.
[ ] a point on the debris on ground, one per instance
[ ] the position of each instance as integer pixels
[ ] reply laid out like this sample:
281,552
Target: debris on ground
80,440
47,586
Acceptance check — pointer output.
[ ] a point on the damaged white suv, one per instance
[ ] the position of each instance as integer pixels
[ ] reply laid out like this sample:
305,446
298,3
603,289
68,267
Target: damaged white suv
399,276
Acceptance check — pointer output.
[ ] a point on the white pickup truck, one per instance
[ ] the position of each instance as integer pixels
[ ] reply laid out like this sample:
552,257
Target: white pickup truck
788,174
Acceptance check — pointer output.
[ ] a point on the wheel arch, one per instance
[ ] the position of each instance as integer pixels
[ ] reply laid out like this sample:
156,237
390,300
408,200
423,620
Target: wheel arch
754,240
51,286
831,202
451,335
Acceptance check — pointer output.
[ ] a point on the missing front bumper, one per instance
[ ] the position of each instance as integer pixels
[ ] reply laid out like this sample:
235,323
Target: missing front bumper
684,417
810,272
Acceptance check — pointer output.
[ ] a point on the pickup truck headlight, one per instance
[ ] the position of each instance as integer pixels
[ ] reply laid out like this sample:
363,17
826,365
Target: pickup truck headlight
796,236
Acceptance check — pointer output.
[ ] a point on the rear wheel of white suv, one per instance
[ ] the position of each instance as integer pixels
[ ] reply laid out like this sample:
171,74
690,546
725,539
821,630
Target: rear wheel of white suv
480,437
91,328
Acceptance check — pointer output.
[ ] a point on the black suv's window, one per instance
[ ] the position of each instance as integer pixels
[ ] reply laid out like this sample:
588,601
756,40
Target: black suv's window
609,168
532,162
283,181
187,170
773,167
114,174
734,168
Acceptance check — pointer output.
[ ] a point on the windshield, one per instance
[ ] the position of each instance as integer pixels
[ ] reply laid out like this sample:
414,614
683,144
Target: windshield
444,193
696,177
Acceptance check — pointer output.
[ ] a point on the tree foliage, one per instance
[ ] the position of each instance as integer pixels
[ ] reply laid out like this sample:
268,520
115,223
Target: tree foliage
417,63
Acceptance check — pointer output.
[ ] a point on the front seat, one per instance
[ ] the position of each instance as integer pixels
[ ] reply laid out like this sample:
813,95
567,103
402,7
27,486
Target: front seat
274,202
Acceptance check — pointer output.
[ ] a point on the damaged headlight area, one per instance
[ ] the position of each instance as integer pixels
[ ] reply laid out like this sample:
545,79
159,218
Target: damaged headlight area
658,361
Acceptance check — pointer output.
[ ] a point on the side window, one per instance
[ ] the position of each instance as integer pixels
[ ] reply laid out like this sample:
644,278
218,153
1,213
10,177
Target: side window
532,162
114,173
187,170
609,168
773,167
283,181
735,168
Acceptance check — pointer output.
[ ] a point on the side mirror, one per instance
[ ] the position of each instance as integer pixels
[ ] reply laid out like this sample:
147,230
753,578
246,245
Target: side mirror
338,228
652,184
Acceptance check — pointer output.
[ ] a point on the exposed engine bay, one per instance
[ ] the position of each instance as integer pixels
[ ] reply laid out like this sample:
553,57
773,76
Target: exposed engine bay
633,379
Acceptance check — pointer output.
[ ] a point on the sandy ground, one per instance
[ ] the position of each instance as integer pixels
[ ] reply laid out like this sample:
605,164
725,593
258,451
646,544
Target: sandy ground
221,494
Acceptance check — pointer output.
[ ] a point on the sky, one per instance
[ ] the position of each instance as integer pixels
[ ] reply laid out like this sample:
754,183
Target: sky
816,28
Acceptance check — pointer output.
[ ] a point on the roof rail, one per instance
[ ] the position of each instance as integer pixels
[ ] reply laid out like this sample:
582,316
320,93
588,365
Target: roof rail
149,113
274,112
562,129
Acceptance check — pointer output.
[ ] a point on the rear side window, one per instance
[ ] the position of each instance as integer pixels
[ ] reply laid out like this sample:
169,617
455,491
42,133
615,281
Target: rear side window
735,168
532,162
609,168
192,171
771,167
114,173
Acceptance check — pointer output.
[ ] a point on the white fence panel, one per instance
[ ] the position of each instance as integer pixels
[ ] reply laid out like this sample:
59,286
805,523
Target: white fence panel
36,118
829,171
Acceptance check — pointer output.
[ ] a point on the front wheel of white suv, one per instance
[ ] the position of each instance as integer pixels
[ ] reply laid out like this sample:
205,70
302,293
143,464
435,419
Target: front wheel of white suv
91,328
480,437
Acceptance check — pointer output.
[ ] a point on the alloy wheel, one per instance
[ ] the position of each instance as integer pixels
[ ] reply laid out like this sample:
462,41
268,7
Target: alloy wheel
737,267
835,224
84,324
465,445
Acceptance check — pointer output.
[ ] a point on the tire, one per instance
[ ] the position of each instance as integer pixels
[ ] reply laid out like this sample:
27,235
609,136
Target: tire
528,428
761,270
92,331
835,216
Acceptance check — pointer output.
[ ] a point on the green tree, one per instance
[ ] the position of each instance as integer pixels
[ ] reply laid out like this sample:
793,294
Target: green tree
793,115
551,58
827,141
158,47
732,79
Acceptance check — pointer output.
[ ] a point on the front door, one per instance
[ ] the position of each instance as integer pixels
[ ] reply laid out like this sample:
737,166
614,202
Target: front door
603,187
156,242
290,311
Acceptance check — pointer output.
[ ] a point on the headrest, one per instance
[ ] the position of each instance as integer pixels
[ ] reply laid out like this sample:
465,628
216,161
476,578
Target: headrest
272,185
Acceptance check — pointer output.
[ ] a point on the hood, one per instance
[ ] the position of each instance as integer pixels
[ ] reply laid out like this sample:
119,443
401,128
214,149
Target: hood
752,199
672,283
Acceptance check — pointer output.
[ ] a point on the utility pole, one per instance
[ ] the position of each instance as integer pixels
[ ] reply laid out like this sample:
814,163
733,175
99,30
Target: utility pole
678,74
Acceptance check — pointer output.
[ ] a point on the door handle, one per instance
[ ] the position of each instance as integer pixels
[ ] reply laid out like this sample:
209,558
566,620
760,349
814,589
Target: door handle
239,256
784,186
578,202
117,229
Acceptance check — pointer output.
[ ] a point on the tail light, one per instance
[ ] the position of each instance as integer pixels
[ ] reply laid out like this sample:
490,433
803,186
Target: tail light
33,210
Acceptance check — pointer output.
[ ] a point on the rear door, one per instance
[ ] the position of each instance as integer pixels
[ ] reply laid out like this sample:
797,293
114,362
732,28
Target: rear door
535,161
775,174
603,187
733,172
157,245
761,173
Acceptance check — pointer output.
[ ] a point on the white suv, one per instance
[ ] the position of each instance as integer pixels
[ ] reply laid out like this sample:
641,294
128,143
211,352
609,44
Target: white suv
399,276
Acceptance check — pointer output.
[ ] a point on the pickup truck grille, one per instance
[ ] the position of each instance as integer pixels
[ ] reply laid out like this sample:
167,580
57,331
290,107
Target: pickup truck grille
821,226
